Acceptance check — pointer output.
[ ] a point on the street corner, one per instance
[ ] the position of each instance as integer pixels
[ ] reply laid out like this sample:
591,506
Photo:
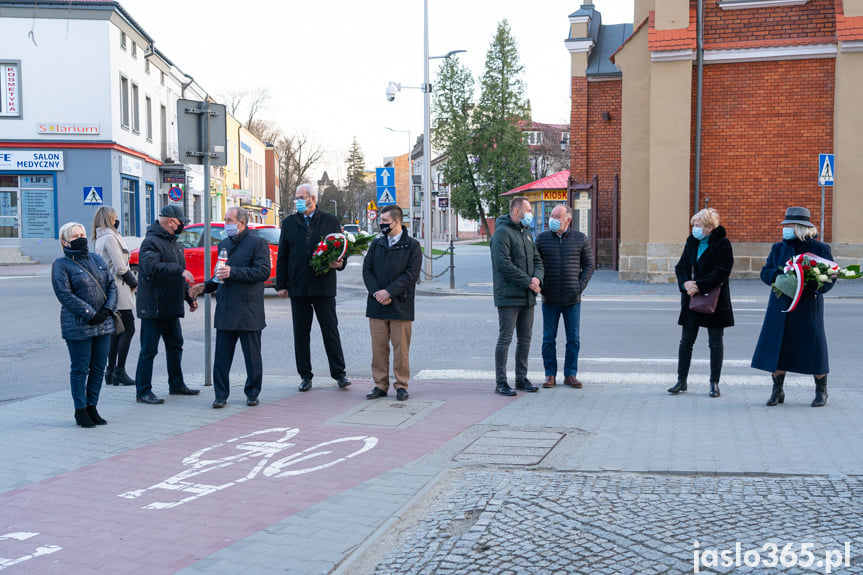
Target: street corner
230,479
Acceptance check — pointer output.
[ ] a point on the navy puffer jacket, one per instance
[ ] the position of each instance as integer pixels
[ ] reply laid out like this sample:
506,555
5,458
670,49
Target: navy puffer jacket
80,296
568,263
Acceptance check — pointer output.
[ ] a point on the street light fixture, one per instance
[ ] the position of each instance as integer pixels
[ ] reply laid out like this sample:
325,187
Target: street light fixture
410,180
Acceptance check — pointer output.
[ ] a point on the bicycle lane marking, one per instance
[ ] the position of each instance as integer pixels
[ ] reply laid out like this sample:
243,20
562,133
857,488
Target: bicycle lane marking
164,506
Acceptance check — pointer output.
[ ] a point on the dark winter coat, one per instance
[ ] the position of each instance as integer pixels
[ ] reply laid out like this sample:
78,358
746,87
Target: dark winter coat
793,341
711,271
161,285
514,261
80,296
296,245
240,299
567,262
395,269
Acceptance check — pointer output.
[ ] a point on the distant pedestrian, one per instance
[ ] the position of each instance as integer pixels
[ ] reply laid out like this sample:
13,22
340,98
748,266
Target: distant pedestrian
517,271
568,263
311,295
704,266
240,305
88,297
795,340
391,269
163,285
112,247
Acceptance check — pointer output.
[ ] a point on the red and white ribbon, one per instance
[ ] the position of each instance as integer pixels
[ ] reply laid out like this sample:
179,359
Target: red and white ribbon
796,264
338,236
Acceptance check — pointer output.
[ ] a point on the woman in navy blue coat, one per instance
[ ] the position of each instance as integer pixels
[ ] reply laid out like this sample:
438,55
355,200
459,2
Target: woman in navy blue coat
88,296
794,341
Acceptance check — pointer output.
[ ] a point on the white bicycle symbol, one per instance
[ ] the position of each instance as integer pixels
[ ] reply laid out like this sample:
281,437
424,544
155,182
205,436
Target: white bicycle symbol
265,451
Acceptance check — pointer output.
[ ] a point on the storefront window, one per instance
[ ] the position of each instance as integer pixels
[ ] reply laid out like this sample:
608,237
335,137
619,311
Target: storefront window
129,217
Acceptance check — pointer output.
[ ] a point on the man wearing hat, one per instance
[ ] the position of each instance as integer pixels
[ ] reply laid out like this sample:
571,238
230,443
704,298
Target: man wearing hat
162,287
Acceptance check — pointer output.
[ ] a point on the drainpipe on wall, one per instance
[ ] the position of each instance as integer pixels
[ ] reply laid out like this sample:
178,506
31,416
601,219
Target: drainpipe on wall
699,88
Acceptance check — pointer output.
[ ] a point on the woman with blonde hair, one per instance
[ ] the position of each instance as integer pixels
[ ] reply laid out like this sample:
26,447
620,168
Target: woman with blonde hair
88,297
704,267
109,244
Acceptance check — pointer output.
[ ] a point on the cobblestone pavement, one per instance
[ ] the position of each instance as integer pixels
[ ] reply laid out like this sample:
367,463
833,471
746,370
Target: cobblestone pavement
544,522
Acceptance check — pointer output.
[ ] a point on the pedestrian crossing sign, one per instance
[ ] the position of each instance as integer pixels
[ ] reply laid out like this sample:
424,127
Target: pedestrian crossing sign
92,196
825,169
386,195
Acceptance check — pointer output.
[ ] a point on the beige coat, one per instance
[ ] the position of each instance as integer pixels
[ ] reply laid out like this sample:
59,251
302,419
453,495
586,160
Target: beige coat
110,245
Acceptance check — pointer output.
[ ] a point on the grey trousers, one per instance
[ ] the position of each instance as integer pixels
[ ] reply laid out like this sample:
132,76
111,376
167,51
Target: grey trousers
519,318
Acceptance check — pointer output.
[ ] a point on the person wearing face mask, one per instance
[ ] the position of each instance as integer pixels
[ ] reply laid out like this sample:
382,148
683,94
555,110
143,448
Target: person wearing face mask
163,286
110,245
311,295
391,269
568,263
88,297
795,340
705,265
517,270
239,306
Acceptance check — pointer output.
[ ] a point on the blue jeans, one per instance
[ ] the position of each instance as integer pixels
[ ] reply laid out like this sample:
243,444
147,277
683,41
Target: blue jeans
89,358
169,331
550,320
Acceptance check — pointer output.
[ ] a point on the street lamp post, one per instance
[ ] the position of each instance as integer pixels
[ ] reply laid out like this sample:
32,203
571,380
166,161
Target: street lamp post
410,181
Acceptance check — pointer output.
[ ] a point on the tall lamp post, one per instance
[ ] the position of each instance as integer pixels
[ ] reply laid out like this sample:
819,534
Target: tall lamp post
410,180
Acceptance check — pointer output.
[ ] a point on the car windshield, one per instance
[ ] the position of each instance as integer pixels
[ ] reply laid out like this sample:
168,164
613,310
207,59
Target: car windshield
194,237
353,228
269,234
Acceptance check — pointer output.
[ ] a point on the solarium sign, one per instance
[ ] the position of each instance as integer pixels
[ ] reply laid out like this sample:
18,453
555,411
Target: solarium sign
31,160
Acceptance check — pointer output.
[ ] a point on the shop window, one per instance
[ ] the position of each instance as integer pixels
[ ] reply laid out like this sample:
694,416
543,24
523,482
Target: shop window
129,203
148,204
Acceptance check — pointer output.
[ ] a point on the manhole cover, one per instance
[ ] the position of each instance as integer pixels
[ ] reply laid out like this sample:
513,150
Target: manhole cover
388,413
510,447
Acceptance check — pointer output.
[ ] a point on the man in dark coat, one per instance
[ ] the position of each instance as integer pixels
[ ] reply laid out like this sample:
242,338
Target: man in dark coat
311,295
517,271
240,309
391,269
796,340
162,288
704,266
568,264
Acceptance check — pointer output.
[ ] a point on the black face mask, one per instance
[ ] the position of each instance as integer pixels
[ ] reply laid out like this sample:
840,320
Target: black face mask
79,245
385,228
180,228
117,225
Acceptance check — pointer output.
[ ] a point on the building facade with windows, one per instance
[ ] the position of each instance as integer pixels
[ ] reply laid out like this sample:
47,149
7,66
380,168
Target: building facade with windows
72,141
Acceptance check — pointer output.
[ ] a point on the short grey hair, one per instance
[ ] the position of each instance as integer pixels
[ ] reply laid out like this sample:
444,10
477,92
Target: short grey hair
804,233
241,214
310,189
67,230
567,211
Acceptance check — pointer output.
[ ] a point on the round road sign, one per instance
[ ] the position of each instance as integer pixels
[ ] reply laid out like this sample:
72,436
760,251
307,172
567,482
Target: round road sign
372,214
175,193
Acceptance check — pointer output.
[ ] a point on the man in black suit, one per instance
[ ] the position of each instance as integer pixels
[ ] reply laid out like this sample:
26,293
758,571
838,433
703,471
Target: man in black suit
240,309
310,294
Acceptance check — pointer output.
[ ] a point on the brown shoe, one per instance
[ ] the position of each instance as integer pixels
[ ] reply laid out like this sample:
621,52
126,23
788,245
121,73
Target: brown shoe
549,381
571,381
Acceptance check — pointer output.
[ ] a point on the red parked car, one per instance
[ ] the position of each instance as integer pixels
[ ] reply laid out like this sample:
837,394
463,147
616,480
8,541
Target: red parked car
192,240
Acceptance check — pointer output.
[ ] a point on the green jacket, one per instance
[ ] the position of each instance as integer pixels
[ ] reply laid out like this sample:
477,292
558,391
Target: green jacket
514,261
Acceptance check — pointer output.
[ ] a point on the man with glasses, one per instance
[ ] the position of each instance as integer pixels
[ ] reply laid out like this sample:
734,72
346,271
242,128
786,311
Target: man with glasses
311,295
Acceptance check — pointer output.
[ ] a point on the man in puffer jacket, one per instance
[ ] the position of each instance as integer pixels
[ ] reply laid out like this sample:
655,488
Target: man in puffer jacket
568,262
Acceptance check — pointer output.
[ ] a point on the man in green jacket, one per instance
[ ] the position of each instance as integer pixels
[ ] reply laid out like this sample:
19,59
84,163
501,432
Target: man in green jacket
517,268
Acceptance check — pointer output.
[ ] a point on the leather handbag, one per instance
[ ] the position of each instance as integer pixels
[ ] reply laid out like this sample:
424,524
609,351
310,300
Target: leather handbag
119,326
705,302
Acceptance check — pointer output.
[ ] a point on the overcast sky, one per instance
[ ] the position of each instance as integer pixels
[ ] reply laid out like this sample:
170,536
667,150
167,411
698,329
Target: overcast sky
327,63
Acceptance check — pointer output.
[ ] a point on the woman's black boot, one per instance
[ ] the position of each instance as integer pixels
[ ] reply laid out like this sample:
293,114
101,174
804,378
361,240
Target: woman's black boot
777,395
109,375
714,389
94,415
678,387
83,418
820,392
121,377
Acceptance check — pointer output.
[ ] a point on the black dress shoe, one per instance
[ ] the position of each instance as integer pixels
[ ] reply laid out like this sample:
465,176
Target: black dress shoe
219,404
306,384
504,389
525,385
401,394
376,393
184,391
677,387
252,401
343,382
150,398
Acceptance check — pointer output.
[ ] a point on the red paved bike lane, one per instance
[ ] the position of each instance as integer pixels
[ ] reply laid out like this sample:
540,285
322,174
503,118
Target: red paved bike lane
160,508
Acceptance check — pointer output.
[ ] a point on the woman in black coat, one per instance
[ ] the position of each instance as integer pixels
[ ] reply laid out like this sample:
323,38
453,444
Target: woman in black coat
794,341
704,266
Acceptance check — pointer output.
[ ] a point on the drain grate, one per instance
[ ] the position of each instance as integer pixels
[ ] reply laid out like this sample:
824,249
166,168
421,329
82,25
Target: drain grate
386,413
510,447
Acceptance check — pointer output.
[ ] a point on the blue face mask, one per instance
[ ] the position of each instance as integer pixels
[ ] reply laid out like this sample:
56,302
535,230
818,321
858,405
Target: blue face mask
301,206
697,233
553,224
787,233
527,219
231,230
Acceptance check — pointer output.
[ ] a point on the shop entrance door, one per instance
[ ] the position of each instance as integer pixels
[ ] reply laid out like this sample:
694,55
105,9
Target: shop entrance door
10,212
